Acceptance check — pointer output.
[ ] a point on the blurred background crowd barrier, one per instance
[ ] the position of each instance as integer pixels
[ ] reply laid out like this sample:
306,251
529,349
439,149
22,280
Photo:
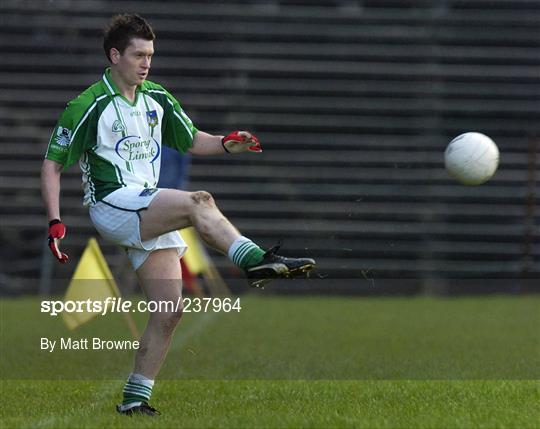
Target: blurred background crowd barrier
354,102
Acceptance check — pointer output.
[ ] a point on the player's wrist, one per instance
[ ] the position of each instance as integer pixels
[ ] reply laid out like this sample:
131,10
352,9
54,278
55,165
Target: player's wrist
223,140
54,221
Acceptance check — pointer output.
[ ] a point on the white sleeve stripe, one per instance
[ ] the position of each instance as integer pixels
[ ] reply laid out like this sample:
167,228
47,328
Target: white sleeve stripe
184,124
186,117
92,107
79,124
109,87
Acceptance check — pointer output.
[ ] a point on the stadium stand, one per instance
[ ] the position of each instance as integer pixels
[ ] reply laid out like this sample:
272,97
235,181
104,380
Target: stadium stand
354,102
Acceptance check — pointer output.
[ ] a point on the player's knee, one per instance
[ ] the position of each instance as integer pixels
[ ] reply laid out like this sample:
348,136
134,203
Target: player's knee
169,320
202,199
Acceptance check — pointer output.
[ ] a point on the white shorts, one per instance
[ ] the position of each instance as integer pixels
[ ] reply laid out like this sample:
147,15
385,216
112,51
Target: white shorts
117,219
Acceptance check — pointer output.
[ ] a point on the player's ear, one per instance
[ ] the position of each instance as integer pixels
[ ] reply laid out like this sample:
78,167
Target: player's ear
114,54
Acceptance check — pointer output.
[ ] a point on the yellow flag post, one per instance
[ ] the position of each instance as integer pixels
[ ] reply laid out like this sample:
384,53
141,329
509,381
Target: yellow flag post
92,266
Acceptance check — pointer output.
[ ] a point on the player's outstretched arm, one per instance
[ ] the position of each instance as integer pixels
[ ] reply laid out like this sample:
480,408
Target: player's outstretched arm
50,192
235,142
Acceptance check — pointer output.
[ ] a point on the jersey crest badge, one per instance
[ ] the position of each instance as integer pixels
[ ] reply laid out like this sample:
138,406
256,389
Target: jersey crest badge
63,136
118,126
152,118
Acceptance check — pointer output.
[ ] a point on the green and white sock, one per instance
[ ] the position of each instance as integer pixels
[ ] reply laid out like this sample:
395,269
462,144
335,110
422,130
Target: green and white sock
245,253
137,390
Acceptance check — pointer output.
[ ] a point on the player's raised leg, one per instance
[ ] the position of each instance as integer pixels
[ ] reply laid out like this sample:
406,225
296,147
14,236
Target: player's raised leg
161,280
172,210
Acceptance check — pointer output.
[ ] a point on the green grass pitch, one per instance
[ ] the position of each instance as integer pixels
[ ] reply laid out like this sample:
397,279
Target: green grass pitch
291,362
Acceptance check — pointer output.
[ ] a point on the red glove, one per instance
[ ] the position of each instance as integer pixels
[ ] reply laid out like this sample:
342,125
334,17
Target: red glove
57,231
241,141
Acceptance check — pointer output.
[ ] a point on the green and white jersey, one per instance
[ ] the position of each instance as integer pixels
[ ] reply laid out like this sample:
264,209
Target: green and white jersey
118,143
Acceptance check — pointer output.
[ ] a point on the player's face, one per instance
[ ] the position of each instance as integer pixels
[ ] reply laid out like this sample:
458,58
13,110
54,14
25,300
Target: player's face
134,64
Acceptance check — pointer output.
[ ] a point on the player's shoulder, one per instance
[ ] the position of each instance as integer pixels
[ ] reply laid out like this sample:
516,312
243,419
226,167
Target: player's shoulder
157,90
159,93
152,86
86,99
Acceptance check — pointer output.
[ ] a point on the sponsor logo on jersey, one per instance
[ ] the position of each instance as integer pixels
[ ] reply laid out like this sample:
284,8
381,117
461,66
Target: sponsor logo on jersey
118,126
63,136
152,118
133,148
147,192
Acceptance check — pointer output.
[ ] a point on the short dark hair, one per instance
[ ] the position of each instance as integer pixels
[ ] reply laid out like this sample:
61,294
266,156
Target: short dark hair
122,29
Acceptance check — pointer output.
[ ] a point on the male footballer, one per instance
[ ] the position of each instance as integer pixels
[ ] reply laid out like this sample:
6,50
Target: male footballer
115,130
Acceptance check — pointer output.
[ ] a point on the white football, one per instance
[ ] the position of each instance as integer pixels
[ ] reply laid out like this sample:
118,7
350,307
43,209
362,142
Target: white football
471,158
